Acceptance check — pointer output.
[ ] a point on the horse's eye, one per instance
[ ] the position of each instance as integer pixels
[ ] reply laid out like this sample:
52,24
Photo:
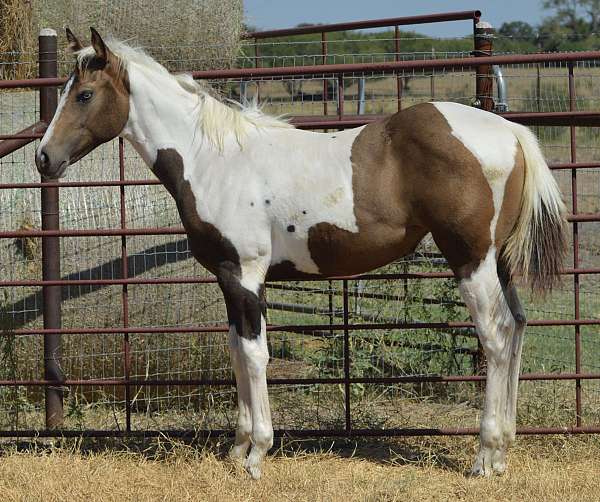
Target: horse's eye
84,96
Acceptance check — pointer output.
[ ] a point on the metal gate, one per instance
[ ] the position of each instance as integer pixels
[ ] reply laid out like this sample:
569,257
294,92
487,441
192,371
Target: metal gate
338,323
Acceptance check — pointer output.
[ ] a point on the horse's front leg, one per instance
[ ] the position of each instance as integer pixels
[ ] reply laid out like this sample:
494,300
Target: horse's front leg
243,289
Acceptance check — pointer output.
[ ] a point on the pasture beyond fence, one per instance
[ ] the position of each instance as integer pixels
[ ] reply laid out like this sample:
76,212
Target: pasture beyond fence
129,332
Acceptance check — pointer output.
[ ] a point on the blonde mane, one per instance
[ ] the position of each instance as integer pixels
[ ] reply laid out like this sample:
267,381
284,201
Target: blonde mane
216,119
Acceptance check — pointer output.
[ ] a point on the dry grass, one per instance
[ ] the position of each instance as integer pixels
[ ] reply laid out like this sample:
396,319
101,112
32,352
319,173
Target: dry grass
540,469
17,39
202,33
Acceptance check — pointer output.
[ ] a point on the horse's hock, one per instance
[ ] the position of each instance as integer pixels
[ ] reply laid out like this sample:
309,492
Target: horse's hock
142,332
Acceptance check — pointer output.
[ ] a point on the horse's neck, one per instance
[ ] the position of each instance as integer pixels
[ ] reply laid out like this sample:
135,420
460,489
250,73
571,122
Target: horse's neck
162,115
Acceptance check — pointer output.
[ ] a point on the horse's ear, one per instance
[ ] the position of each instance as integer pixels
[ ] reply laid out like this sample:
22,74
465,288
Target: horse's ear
99,45
74,43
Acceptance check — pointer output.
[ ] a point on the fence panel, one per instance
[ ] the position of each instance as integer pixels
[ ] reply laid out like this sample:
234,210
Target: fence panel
389,353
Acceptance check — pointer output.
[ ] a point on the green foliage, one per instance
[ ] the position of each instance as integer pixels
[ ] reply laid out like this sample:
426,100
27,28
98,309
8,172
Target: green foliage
388,353
380,46
518,29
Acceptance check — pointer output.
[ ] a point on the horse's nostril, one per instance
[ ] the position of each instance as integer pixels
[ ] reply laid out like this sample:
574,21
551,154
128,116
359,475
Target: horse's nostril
44,159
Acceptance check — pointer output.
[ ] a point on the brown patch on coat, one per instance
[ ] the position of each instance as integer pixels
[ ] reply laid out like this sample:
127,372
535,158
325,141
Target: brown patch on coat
211,248
381,207
410,176
286,270
512,200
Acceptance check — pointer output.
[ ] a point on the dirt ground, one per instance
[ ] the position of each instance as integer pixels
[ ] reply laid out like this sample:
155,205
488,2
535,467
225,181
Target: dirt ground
541,468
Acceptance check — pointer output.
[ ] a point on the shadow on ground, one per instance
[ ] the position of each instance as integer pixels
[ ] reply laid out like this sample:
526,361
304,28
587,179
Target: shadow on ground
414,451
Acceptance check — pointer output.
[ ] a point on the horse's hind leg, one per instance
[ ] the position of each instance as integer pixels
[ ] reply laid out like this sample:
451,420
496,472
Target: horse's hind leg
497,329
510,294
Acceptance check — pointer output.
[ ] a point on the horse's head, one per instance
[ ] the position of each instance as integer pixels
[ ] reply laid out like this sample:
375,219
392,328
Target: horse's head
92,110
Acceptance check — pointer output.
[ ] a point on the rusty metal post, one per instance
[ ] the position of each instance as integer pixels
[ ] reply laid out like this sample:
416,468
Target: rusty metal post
432,77
576,305
348,414
340,96
50,245
324,59
484,81
124,291
257,65
484,92
397,58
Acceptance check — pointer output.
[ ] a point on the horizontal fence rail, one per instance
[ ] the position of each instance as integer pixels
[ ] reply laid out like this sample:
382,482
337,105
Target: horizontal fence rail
351,68
373,23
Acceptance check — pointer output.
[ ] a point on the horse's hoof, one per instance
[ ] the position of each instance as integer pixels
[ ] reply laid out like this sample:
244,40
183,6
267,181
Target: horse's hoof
489,461
254,471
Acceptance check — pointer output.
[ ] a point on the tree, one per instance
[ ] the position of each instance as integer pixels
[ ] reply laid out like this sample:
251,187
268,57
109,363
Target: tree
571,25
592,8
518,30
566,11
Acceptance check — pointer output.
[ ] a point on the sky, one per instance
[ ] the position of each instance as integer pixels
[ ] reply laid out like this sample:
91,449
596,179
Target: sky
272,14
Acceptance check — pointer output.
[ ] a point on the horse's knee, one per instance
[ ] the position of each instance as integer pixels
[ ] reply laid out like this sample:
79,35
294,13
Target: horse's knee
245,308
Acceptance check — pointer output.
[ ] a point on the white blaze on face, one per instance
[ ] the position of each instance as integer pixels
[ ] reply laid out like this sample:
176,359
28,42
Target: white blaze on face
490,140
61,103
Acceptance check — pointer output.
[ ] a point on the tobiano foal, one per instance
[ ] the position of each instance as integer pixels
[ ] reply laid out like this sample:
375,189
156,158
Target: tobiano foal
261,200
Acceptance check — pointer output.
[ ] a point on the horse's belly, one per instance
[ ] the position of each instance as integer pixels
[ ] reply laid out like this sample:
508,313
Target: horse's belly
333,251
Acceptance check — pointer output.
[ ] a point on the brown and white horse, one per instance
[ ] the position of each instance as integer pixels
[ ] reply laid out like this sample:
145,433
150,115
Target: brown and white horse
262,200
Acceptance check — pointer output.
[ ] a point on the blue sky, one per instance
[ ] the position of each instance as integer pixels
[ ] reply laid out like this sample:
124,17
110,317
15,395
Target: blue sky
271,14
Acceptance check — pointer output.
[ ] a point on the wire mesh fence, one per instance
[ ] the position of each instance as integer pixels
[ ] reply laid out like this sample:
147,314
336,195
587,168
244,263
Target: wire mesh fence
311,346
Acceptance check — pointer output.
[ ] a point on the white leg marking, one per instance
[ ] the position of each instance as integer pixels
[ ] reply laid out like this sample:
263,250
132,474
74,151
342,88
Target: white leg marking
244,426
255,355
496,329
515,367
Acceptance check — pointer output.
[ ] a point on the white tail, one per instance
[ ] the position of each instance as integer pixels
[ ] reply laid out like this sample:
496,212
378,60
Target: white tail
537,245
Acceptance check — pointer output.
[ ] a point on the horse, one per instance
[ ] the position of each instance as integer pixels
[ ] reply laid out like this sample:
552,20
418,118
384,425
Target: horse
261,200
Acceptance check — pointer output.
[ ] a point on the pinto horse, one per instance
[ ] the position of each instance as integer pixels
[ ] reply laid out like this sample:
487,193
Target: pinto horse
262,200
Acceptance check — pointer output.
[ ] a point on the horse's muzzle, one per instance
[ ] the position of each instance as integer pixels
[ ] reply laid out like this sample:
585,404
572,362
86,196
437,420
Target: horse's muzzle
49,167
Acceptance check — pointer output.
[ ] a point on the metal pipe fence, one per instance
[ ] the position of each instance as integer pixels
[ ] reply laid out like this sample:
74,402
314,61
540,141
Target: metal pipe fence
352,327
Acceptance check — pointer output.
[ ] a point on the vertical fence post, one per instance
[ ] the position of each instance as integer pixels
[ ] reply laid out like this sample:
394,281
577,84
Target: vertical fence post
340,96
397,58
124,291
432,77
48,67
574,208
348,412
325,81
484,91
257,64
484,81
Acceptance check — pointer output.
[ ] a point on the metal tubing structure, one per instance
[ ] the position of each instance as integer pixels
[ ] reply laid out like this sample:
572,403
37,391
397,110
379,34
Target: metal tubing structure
51,283
51,295
361,25
577,310
389,67
484,82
